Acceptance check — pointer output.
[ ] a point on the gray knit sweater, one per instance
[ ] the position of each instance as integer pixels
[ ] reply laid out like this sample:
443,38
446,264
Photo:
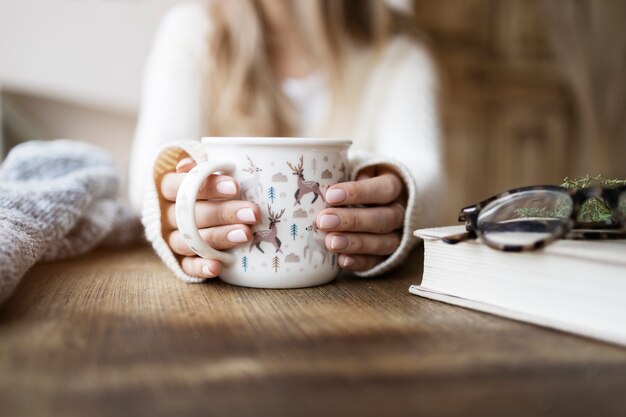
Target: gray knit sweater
58,199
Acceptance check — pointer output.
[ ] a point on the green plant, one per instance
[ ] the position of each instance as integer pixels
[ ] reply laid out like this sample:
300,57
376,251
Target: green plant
587,181
592,210
525,212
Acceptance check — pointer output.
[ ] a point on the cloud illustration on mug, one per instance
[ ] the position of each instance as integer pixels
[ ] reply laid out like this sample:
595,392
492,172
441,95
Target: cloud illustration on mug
300,214
279,177
292,257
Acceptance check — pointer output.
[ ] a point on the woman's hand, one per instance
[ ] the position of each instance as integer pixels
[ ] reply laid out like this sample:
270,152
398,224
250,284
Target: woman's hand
364,236
222,224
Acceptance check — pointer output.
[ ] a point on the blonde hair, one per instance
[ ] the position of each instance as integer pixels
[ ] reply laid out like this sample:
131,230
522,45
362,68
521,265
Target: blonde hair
245,97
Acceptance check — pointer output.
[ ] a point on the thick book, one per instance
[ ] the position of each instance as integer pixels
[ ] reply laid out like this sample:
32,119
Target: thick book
571,285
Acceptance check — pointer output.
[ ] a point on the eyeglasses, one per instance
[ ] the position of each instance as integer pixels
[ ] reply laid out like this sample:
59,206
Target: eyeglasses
529,218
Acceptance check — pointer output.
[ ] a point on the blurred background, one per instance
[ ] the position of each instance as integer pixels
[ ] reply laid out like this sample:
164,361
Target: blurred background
534,90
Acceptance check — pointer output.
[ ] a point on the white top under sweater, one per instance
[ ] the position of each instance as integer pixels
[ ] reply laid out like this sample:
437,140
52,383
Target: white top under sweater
310,97
396,124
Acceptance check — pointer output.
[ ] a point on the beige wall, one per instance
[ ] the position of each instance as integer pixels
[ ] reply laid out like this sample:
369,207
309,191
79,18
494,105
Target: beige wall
72,69
52,119
84,51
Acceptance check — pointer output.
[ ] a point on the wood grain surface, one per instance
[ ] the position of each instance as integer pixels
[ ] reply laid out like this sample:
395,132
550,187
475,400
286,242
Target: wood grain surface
114,334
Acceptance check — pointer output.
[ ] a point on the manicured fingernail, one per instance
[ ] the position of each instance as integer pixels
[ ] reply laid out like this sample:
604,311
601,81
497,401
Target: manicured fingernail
226,188
339,242
237,236
182,163
336,195
246,215
347,261
206,270
329,221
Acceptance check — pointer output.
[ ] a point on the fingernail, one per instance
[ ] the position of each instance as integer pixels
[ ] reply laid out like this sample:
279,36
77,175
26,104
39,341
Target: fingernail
329,221
206,270
226,188
336,195
339,242
237,236
347,261
246,215
183,162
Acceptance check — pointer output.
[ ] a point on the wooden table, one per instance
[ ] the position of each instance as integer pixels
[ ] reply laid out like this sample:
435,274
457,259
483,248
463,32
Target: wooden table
113,333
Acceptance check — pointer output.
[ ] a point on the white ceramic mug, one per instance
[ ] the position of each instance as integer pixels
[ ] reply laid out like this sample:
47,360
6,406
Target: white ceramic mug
287,178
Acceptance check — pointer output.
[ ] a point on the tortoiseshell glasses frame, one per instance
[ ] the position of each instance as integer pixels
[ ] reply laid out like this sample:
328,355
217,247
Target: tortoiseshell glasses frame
568,228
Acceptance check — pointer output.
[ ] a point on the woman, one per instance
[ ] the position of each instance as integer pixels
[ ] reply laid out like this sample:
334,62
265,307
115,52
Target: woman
326,68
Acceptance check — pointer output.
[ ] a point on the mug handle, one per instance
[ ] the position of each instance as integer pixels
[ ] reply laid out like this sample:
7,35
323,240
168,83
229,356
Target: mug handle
185,209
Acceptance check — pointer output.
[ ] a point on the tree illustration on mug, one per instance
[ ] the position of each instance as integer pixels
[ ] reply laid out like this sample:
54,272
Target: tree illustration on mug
244,263
271,194
293,231
275,263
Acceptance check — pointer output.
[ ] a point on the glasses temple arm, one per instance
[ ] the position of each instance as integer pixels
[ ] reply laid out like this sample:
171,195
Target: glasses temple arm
458,238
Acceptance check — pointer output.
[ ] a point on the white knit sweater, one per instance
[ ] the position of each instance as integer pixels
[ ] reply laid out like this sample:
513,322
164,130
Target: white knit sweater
396,124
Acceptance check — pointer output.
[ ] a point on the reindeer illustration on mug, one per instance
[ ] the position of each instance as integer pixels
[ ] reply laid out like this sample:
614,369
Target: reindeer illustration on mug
304,187
252,184
315,244
268,235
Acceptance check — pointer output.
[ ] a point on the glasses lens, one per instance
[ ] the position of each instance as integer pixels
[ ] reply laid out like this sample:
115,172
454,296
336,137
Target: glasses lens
525,218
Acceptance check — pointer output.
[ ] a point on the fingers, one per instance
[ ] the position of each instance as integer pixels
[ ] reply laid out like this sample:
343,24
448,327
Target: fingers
215,186
208,214
185,165
378,220
362,243
382,189
366,173
217,213
221,237
359,262
361,251
200,267
363,237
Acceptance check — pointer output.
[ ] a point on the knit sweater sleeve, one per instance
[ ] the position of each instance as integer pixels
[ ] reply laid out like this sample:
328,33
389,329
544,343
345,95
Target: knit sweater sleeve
171,102
154,204
406,139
